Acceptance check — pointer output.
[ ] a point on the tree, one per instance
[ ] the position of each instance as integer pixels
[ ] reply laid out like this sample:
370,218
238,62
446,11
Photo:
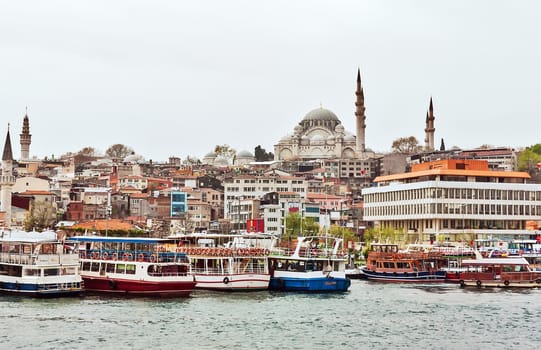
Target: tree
406,145
87,151
529,157
42,215
226,152
261,155
118,151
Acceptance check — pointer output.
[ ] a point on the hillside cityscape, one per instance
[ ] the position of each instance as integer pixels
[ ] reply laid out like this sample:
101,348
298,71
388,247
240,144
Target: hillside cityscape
311,181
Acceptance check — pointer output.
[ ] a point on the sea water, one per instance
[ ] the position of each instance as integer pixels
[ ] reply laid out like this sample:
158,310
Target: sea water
369,316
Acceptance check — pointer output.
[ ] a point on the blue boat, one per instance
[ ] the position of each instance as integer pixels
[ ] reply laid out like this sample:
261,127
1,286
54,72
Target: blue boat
316,265
38,264
386,263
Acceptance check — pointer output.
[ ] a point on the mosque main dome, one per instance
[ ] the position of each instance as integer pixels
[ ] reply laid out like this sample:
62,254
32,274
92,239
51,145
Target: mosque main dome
320,114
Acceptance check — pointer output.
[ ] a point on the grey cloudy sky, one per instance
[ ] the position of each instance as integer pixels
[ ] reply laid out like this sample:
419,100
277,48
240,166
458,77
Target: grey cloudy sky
178,77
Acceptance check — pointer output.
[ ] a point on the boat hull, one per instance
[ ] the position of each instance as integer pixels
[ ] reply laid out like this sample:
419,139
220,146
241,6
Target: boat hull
314,284
500,284
50,290
139,287
404,277
231,283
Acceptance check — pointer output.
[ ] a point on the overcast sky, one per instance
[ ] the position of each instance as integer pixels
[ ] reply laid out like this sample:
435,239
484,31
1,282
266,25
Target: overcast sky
179,77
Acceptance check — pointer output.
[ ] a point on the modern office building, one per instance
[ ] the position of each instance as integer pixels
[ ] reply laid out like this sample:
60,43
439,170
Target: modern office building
454,200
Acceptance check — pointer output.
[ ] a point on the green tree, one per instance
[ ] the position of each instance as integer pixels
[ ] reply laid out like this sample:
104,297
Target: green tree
529,157
261,155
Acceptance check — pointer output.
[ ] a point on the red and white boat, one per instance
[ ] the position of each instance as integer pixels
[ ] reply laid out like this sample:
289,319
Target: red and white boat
498,272
134,266
228,262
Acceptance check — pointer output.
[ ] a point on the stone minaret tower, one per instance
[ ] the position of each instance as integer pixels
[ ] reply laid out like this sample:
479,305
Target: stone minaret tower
26,139
429,130
7,180
359,113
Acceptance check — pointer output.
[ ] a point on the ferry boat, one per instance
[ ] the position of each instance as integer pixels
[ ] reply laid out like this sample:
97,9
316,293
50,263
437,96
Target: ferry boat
228,262
386,263
499,272
311,267
38,264
529,249
134,266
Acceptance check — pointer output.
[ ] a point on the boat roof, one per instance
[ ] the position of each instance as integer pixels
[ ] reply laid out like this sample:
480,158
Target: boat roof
222,235
27,237
100,239
496,261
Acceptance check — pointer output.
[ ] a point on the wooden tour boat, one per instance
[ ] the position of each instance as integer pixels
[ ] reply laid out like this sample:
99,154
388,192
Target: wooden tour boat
386,263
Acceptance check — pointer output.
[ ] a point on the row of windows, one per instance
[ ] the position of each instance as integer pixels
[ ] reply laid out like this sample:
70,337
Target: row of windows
465,209
454,193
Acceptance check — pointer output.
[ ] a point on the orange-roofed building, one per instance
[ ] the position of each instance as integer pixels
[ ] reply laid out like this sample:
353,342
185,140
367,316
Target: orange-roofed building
104,225
454,200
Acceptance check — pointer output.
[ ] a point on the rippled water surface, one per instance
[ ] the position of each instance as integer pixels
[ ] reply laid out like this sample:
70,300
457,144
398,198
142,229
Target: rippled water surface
370,315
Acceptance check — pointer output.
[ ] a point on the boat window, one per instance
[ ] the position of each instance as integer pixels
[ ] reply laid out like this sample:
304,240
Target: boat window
403,264
110,268
120,268
69,271
16,271
95,266
388,264
51,272
32,272
130,269
85,266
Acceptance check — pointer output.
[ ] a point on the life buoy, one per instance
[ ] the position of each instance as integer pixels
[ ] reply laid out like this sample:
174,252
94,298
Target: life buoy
478,283
226,280
506,283
130,257
141,257
115,256
94,255
105,256
153,258
125,256
267,251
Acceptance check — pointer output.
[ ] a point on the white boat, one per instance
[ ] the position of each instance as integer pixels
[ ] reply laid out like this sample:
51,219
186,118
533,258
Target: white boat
134,266
38,264
228,262
316,265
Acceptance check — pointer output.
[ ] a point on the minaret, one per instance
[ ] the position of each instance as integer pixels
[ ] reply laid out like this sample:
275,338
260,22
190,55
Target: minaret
359,113
7,181
25,139
429,130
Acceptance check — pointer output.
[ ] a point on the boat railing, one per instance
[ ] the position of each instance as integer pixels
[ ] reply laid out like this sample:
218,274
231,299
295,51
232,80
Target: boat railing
306,252
38,259
219,251
504,276
405,255
128,255
236,270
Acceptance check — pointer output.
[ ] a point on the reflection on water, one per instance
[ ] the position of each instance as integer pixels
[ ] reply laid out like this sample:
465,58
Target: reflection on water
370,315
